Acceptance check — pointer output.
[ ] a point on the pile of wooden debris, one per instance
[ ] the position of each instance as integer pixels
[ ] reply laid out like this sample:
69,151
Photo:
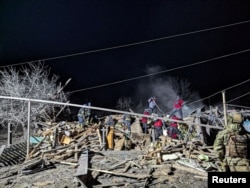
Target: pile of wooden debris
97,151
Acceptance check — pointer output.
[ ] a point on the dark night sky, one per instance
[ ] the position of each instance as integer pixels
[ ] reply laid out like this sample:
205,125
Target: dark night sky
42,29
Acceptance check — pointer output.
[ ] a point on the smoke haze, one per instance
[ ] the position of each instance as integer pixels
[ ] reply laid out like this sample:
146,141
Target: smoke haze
166,90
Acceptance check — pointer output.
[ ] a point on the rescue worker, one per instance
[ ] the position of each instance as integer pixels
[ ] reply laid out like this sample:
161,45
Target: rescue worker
81,116
152,104
178,105
226,151
127,122
88,114
144,120
158,125
173,130
110,121
95,119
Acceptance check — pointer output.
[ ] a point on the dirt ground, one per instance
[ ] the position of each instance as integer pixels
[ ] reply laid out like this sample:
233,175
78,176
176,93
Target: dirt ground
62,176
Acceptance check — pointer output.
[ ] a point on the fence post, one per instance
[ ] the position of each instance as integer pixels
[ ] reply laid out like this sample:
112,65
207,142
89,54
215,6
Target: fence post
224,107
9,134
28,131
104,137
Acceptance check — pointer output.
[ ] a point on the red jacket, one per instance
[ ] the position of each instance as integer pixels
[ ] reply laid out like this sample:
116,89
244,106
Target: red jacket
174,123
145,119
158,123
178,103
173,126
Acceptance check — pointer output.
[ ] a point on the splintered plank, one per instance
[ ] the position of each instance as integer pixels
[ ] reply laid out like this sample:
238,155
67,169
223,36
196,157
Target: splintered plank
129,175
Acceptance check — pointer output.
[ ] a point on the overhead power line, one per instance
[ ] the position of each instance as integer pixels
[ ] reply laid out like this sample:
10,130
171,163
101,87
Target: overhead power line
228,102
160,72
219,92
238,97
239,106
131,44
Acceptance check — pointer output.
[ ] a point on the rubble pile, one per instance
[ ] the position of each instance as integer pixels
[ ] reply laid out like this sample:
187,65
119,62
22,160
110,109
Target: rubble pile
98,155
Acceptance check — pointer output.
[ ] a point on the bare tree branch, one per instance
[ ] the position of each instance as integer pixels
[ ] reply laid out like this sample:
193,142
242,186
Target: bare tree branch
35,82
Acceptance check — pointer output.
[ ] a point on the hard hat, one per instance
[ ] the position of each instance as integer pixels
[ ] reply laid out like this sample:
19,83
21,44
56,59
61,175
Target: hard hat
237,117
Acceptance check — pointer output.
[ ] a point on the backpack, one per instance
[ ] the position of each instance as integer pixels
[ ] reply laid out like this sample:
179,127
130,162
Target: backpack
237,146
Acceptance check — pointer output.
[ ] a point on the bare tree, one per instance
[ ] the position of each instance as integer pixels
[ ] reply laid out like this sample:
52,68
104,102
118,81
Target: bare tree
124,103
34,82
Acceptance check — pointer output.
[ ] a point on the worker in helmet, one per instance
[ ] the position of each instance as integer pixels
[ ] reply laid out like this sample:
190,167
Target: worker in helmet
231,145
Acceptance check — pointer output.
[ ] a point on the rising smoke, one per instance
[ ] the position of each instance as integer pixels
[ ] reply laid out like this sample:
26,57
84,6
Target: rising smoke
166,89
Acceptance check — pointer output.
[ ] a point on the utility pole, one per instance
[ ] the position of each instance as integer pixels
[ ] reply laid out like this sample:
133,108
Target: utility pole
224,107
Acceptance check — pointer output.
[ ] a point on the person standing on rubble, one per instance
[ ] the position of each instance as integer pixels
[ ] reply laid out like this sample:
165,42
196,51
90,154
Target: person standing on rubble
152,104
127,122
144,120
81,116
95,119
177,110
158,125
173,130
110,121
88,113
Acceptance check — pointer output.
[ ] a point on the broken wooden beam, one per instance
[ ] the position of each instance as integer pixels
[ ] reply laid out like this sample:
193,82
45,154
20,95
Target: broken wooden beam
137,176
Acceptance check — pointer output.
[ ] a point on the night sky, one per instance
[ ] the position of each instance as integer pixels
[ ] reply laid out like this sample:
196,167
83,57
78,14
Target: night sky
46,29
